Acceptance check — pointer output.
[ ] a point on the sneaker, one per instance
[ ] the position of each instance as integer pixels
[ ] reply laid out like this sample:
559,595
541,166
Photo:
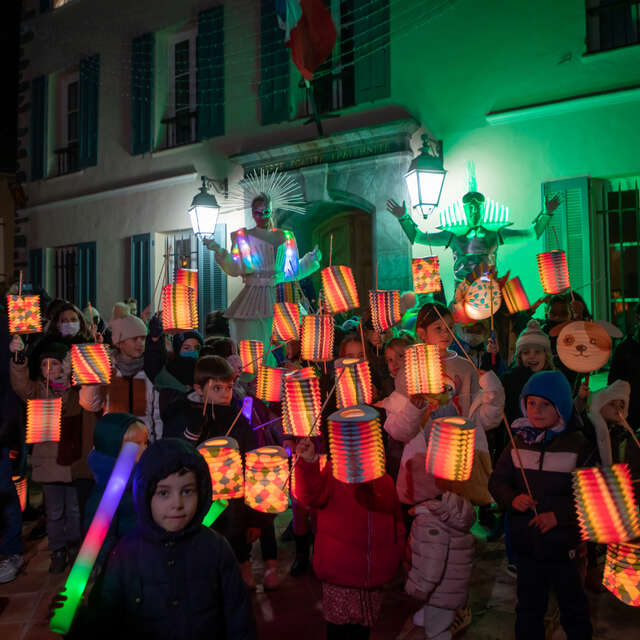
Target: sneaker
271,577
247,575
10,567
461,621
512,570
58,561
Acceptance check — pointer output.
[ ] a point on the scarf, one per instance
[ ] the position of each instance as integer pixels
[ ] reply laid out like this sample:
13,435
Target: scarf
127,367
533,435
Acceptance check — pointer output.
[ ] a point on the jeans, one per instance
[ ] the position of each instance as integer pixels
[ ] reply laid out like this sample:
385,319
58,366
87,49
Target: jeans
10,514
63,515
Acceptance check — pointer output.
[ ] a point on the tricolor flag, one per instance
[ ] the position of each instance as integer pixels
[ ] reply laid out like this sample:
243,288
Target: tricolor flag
309,32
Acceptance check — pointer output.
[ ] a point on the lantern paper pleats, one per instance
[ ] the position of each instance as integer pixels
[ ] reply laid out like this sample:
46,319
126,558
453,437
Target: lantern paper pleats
482,298
605,504
222,456
43,420
251,352
554,272
515,297
317,338
179,308
340,293
189,278
301,405
266,479
622,572
426,274
90,364
322,458
20,483
450,449
269,383
286,321
287,292
24,314
423,369
353,377
355,441
385,309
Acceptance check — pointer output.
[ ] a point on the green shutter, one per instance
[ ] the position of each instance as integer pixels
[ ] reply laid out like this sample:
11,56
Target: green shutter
86,280
141,269
142,56
38,130
210,73
88,105
274,67
212,280
36,267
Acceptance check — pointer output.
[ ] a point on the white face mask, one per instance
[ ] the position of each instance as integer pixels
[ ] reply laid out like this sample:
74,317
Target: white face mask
69,328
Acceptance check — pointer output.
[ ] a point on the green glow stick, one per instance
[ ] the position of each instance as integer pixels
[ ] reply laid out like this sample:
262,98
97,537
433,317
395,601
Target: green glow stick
217,507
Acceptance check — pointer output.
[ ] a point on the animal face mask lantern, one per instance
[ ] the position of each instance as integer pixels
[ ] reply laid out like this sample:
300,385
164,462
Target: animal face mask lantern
584,346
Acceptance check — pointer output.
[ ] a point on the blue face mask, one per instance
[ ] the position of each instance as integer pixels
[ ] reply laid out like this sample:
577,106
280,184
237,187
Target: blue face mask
190,354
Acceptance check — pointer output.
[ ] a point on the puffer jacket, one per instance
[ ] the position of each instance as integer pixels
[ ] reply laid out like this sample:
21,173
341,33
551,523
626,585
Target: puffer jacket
441,551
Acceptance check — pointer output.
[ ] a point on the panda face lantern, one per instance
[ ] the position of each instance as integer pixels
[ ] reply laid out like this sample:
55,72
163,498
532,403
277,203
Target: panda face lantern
584,346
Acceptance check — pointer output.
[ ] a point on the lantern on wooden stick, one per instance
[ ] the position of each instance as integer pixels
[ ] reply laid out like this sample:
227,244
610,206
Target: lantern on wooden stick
423,369
354,383
90,364
222,456
605,504
355,441
269,383
482,298
266,479
450,448
24,314
317,338
251,353
179,308
43,420
339,286
286,321
385,309
622,572
554,272
426,274
301,405
189,278
20,483
515,297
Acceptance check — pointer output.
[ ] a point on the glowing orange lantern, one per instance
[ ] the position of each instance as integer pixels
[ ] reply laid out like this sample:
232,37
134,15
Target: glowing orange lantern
179,308
423,369
450,448
385,309
20,484
90,364
317,338
24,314
426,274
355,441
353,377
322,458
286,321
43,420
340,293
482,298
266,479
554,272
301,405
622,572
605,504
225,467
251,352
269,383
189,278
515,297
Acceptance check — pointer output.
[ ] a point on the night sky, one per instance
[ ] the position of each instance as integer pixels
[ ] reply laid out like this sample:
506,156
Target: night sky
9,35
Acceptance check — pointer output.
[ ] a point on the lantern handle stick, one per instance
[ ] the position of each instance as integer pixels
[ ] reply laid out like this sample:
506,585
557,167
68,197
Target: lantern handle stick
264,424
20,285
627,426
163,269
555,233
93,326
206,395
364,348
233,424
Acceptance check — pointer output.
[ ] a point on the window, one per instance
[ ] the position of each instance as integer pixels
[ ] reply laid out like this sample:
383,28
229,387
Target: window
66,152
612,24
74,273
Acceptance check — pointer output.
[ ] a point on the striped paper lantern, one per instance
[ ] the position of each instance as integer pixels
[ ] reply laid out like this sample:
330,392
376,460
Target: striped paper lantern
179,308
222,456
317,338
20,483
301,405
423,369
554,272
622,572
90,364
605,504
339,286
43,420
322,458
288,292
189,278
482,298
515,297
24,314
385,309
355,441
269,383
286,321
353,376
426,274
266,479
450,448
251,353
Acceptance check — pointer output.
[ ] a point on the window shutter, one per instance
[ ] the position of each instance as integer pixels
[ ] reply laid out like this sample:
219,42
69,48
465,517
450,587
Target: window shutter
274,67
212,280
210,74
371,49
88,106
219,277
142,53
38,132
86,275
36,267
141,269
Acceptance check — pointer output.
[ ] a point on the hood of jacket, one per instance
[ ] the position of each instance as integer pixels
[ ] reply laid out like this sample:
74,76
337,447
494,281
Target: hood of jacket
618,390
109,431
554,387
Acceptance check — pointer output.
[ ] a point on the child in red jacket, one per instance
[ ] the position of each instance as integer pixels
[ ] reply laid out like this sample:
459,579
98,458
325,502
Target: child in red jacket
359,542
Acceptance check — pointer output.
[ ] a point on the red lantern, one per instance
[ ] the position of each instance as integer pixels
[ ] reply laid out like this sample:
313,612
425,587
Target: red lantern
554,272
225,467
179,308
43,420
251,353
301,405
266,479
423,369
515,297
340,293
353,378
450,449
90,364
385,309
189,278
317,338
426,274
20,484
622,572
269,383
24,314
286,321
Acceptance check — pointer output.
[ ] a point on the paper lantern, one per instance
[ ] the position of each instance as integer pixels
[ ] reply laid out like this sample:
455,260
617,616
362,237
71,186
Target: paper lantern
322,459
426,274
251,353
266,479
478,303
43,420
554,272
179,308
515,297
622,572
24,314
225,467
340,293
301,405
355,441
450,448
583,346
353,376
288,292
385,309
90,364
605,504
286,321
269,383
20,484
189,278
423,369
317,338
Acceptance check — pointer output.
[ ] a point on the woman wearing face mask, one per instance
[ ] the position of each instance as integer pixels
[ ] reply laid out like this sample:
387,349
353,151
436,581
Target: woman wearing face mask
69,326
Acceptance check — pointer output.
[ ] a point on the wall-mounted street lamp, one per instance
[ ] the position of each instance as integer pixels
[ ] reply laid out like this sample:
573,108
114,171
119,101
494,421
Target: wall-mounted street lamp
204,209
426,176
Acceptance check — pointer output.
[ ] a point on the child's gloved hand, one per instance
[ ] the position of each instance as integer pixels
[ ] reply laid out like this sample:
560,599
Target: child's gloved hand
16,345
306,450
544,521
523,503
155,327
57,602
